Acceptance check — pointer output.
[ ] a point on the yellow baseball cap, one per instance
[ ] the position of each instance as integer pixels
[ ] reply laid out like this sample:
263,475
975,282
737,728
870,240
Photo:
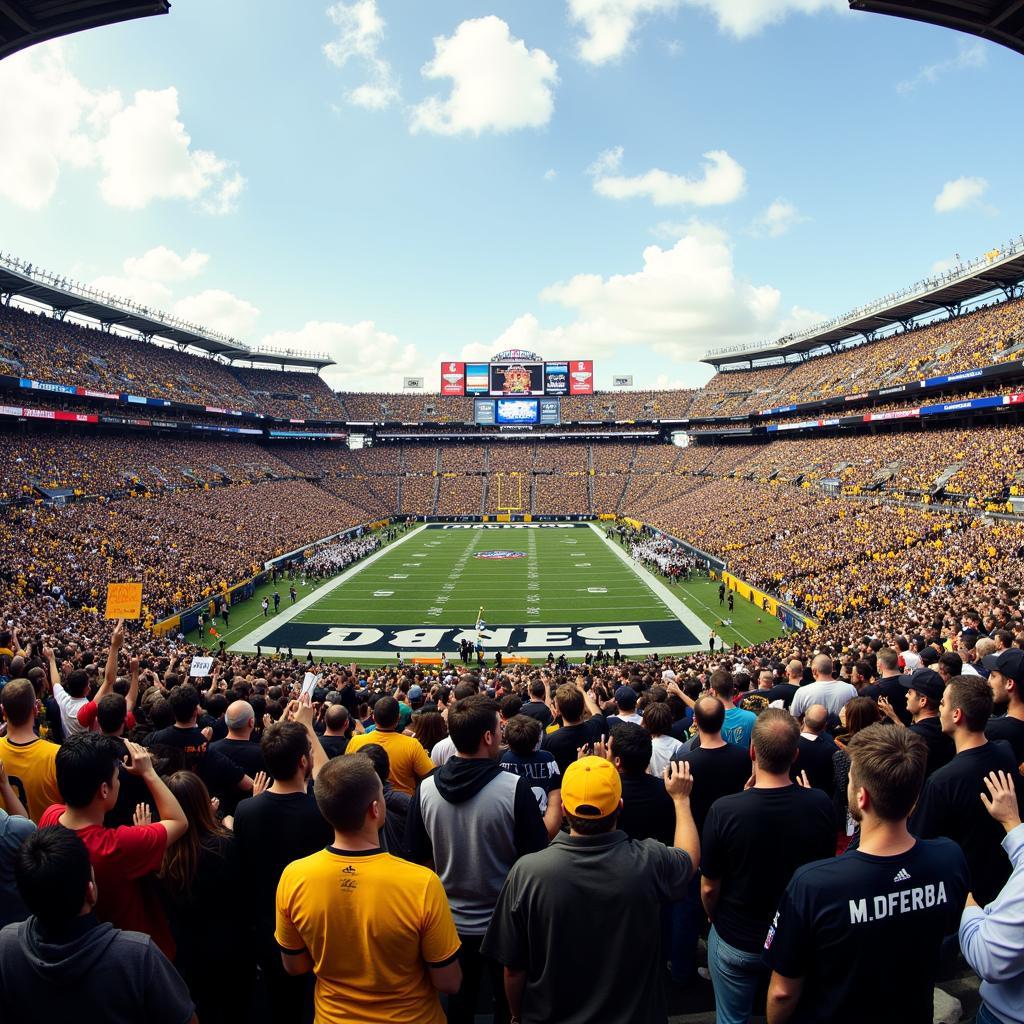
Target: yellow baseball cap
591,788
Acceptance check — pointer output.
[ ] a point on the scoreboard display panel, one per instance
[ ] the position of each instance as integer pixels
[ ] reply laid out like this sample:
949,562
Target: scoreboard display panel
519,412
517,379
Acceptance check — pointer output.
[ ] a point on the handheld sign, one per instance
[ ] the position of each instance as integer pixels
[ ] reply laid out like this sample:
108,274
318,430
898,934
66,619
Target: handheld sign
308,683
201,666
124,601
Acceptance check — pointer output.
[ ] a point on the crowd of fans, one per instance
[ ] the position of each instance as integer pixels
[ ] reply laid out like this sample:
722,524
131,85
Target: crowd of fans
344,842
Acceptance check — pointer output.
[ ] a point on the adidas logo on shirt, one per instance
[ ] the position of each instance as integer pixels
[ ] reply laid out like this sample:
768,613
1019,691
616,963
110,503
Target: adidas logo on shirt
902,875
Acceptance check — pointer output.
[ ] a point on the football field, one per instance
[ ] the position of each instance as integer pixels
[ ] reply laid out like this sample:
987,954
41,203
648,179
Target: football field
543,587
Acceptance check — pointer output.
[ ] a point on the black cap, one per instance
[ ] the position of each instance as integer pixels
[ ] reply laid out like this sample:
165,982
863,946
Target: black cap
1009,663
926,682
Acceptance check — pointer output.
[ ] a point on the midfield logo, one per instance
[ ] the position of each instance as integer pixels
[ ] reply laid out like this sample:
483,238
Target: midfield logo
496,556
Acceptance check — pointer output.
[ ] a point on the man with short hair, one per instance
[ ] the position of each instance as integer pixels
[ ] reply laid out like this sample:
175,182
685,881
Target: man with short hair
950,804
595,881
833,693
337,725
240,749
396,803
816,748
536,706
89,780
889,902
574,732
374,959
473,821
890,684
738,723
273,829
745,870
410,763
31,762
538,767
64,964
1006,677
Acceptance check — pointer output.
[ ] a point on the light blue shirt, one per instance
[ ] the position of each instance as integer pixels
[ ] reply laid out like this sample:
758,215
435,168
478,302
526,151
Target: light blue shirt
992,940
738,726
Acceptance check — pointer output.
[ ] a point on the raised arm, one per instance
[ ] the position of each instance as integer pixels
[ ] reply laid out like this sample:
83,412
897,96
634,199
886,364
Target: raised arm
110,672
172,817
133,687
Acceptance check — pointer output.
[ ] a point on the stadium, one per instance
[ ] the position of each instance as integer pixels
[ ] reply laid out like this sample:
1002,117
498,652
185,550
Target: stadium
214,558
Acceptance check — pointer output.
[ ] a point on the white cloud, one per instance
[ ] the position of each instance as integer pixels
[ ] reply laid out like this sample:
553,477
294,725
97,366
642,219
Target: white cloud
219,310
723,181
969,57
147,154
682,301
360,32
943,266
607,162
777,219
960,193
550,174
497,83
163,264
50,120
154,294
368,358
609,25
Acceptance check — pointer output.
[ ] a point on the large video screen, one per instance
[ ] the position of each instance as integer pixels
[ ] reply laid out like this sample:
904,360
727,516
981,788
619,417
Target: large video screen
517,379
522,412
513,377
517,410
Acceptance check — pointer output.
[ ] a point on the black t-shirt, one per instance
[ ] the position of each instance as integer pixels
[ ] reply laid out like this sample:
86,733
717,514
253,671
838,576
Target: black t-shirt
717,772
132,792
846,923
221,775
334,745
941,748
752,843
1009,729
539,710
950,805
894,691
564,743
246,754
273,829
815,758
780,691
647,810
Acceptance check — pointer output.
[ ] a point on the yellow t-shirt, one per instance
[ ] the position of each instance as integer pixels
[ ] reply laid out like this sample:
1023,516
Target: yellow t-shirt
409,761
32,770
372,924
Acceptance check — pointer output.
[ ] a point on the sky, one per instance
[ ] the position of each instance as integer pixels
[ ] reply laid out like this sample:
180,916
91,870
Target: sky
398,183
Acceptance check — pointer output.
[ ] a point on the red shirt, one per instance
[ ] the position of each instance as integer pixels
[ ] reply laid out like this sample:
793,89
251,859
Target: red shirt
87,717
122,858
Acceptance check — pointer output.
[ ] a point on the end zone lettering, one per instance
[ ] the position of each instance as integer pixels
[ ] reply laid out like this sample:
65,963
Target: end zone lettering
431,638
505,526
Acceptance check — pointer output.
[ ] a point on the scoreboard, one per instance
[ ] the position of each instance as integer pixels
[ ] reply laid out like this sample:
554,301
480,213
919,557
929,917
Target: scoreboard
518,373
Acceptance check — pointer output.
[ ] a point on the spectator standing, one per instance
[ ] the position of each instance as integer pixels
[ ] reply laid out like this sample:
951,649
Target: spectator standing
924,693
950,804
63,963
625,704
374,959
891,901
745,869
538,767
574,732
824,690
195,875
239,748
658,721
409,761
536,706
31,762
473,821
122,858
860,713
992,937
273,829
890,685
738,723
15,827
817,749
595,880
396,803
1006,677
337,722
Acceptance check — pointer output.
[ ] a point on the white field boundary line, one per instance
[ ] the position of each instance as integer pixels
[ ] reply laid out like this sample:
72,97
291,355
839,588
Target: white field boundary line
742,636
247,645
690,619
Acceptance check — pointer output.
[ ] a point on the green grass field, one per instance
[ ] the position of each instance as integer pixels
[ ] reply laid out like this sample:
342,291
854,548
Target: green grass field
559,587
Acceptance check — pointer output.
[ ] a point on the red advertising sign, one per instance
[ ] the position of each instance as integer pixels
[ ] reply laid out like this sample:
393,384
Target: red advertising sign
581,377
453,378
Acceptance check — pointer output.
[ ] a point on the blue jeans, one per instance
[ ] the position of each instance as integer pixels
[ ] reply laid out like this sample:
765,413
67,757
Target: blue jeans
736,976
986,1016
680,930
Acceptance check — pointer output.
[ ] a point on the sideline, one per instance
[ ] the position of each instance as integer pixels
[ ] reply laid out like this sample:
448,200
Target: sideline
248,643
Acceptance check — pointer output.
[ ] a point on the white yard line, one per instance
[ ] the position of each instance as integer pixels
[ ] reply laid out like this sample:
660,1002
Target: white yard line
249,642
690,619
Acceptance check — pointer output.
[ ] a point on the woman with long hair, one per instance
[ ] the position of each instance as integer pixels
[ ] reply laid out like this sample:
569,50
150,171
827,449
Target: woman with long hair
198,873
429,727
858,714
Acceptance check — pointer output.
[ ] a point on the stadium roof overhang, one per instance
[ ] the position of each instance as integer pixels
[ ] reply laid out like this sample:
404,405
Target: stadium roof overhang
1001,21
24,22
995,271
50,291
